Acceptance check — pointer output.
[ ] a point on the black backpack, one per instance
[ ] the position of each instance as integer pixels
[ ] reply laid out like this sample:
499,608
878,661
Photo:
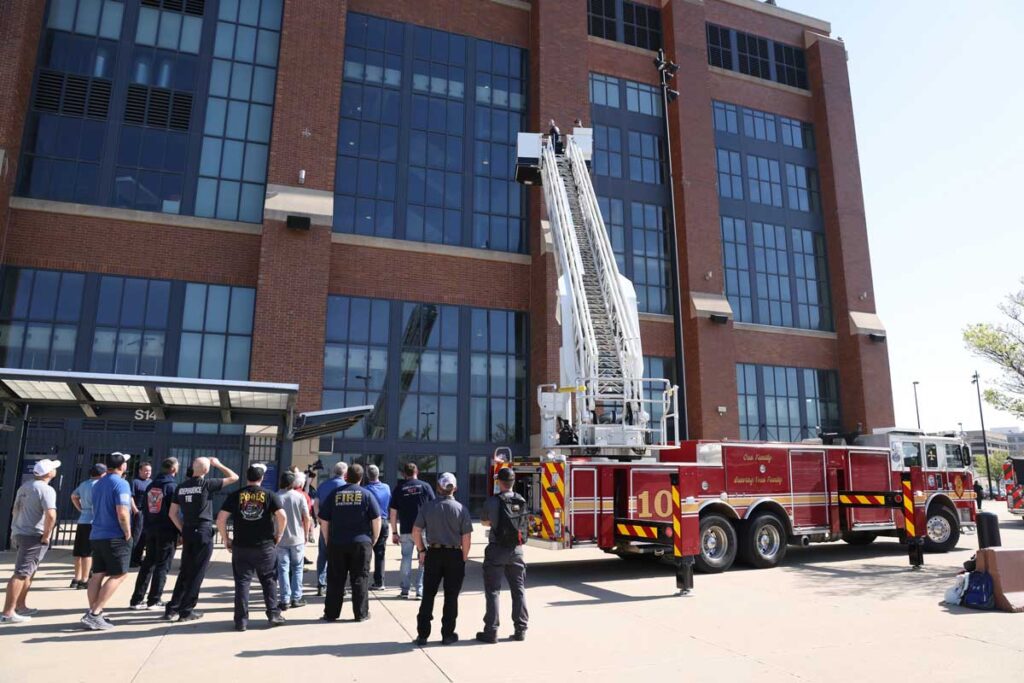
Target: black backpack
513,519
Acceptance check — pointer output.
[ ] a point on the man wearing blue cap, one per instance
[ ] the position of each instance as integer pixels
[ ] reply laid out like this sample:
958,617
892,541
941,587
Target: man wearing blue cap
442,534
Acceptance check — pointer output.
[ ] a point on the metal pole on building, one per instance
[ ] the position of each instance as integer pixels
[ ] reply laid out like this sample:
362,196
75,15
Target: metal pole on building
666,71
916,408
976,381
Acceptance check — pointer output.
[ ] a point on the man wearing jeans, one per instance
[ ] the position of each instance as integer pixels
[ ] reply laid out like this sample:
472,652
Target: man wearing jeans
293,541
382,493
35,515
406,500
324,492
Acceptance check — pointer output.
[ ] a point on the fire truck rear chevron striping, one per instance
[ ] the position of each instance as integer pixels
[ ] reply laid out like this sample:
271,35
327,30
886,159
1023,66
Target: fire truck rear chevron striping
719,502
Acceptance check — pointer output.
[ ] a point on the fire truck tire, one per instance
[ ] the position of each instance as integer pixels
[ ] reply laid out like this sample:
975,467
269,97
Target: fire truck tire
763,541
859,537
942,530
718,544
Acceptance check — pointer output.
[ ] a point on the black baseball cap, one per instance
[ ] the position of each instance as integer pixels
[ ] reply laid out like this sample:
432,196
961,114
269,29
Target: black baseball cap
97,470
505,474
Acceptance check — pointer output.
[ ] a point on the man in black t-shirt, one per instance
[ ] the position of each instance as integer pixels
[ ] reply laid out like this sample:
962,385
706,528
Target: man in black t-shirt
259,520
161,538
192,513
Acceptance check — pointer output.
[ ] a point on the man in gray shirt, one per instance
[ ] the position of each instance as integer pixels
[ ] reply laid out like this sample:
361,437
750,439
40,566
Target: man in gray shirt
445,522
35,515
291,549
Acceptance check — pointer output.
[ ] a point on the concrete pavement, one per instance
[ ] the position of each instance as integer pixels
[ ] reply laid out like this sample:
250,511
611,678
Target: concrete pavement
830,612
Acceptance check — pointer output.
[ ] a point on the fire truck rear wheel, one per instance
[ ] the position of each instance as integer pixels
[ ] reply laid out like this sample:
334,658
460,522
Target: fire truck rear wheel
717,544
763,541
942,530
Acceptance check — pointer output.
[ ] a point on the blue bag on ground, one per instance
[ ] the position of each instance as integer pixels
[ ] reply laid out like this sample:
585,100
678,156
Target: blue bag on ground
980,593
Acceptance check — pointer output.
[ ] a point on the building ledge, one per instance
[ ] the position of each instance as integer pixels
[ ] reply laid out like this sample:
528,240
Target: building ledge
622,46
790,331
518,4
428,248
759,81
656,318
133,216
782,13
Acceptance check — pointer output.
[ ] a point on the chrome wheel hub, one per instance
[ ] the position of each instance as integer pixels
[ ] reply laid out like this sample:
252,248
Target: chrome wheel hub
714,543
939,529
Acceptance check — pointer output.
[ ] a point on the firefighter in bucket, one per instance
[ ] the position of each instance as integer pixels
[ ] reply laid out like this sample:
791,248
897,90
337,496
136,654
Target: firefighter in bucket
506,517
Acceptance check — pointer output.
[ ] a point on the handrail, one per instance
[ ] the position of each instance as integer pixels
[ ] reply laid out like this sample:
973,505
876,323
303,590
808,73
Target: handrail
627,342
570,263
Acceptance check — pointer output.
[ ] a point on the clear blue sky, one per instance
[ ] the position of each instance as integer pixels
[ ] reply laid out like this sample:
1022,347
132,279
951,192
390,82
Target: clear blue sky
939,106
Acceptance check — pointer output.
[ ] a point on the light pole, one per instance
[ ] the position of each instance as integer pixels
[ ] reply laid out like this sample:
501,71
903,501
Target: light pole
976,381
666,71
916,408
428,413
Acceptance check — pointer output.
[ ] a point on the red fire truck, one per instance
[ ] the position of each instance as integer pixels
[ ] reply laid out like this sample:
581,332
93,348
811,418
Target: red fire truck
712,503
1013,480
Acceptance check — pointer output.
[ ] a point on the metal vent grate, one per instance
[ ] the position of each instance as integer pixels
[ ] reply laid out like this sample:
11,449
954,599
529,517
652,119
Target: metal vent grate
135,108
181,111
99,100
196,7
48,91
76,89
159,109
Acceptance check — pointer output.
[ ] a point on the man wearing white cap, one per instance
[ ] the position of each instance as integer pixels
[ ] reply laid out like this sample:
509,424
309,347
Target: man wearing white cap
35,515
111,539
442,534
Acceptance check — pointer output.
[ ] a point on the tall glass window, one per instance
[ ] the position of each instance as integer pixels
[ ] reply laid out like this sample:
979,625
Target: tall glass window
131,326
498,381
429,372
236,132
627,124
773,238
117,118
39,315
356,360
756,56
786,403
216,337
625,22
418,159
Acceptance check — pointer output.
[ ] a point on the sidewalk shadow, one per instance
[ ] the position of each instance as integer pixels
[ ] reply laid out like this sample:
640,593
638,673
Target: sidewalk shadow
64,633
350,650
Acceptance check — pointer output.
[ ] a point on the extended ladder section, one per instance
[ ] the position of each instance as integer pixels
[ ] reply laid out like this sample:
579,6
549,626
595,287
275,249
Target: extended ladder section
603,399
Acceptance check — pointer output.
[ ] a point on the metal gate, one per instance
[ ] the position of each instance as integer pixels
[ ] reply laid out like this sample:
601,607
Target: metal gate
80,443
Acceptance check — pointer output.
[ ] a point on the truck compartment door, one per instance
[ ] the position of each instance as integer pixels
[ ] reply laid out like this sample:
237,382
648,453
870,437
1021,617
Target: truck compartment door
584,505
810,497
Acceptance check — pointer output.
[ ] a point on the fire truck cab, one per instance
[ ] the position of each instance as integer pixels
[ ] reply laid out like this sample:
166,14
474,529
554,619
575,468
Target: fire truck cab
949,477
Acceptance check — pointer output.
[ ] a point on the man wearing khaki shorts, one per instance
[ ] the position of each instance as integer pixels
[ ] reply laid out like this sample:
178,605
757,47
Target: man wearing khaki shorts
35,515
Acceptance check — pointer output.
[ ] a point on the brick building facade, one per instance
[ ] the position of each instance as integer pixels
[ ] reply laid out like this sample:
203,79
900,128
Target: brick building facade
809,352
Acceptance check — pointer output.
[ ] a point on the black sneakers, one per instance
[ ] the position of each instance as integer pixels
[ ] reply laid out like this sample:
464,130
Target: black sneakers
485,637
518,635
277,620
448,640
191,616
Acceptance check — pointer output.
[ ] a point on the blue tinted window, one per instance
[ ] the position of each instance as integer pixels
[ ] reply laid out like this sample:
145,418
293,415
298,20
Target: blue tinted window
218,320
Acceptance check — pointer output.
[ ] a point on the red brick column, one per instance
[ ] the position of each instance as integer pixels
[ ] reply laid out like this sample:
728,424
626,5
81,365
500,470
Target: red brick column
708,348
21,22
294,265
558,90
864,382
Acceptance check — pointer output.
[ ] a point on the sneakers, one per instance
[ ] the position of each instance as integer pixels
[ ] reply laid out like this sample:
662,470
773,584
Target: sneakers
277,620
74,584
191,616
377,587
421,641
240,628
15,618
159,604
139,607
96,622
328,619
419,596
26,612
487,637
448,640
320,588
518,635
170,616
296,604
365,617
82,585
403,595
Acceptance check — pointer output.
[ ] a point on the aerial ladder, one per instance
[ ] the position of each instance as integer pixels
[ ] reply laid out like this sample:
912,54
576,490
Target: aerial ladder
602,405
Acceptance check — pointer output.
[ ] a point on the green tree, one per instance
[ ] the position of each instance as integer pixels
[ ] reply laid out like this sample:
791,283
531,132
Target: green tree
1003,344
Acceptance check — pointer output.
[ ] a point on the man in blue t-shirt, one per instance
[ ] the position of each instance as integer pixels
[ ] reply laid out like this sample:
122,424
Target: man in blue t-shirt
350,519
408,497
111,539
327,488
